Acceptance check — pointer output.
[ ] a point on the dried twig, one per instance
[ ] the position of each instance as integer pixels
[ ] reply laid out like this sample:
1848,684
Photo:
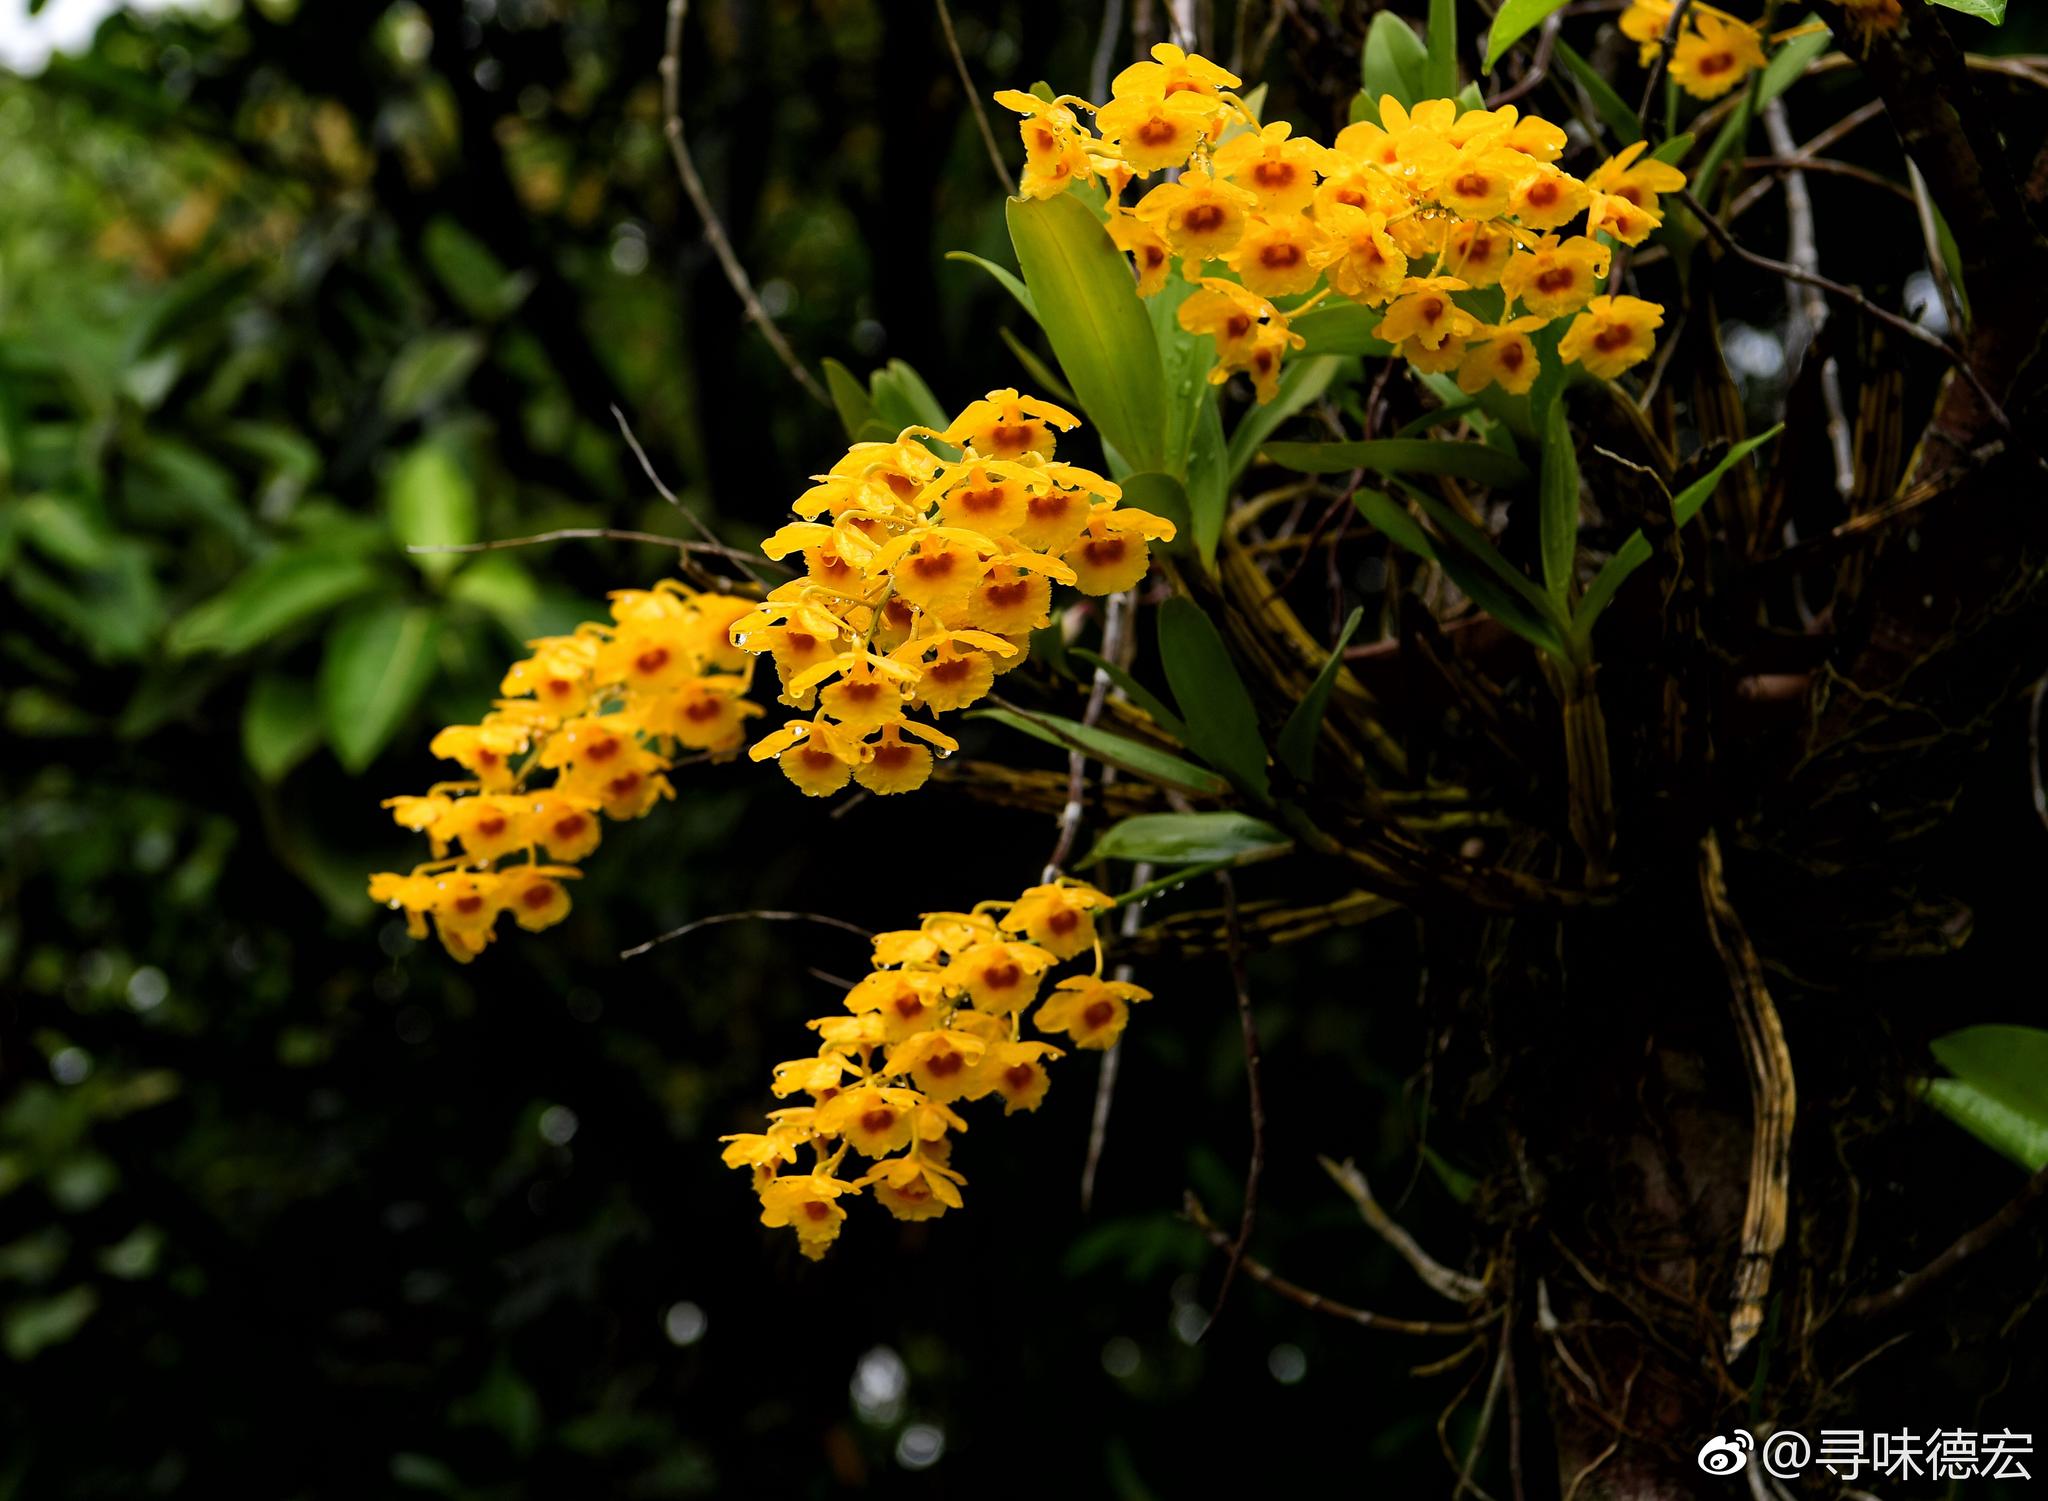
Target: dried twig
1249,1028
739,560
1910,1287
1773,1101
586,533
714,231
1105,1080
1315,1302
1810,315
755,916
1539,65
1439,1278
988,135
1834,288
1662,60
1484,1424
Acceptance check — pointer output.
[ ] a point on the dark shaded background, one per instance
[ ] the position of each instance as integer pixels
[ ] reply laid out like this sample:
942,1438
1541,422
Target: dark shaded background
291,1206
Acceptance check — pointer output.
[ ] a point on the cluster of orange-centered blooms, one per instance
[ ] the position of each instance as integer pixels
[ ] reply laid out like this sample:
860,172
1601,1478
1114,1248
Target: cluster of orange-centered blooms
589,724
928,562
1414,214
1713,51
938,1022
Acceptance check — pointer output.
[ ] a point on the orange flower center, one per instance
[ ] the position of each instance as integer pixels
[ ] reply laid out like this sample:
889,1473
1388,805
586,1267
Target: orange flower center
878,1120
569,825
1063,921
1614,336
944,1065
948,669
1716,63
652,660
1280,257
1012,437
1101,552
1019,1075
894,757
1203,219
1097,1016
602,750
623,787
934,565
816,1209
1272,174
1543,193
1472,185
491,825
1156,132
698,710
538,896
469,905
1003,596
1431,308
908,1006
1237,325
980,500
1512,356
1555,280
1050,506
1001,976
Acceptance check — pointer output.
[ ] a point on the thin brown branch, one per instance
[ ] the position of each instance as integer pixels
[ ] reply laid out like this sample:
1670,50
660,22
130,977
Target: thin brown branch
739,560
714,231
756,915
584,534
1906,326
1249,1029
1105,1081
1315,1302
988,135
1439,1278
1539,66
1910,1287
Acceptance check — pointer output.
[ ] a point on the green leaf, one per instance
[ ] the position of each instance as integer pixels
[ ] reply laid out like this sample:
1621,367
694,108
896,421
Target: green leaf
1112,750
2008,1063
1137,693
1476,566
33,1325
1780,73
474,277
1005,277
1297,743
1395,62
2010,1132
901,399
1040,372
1223,727
1984,10
379,661
1470,461
1557,513
503,588
1673,150
280,724
1636,550
1618,117
1098,327
1340,328
428,371
271,597
1303,382
1513,21
431,501
1440,66
849,398
1183,838
1163,495
1391,519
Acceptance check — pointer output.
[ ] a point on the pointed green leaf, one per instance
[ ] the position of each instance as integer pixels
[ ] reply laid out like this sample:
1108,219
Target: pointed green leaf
2008,1063
1183,838
1557,512
1476,566
1340,328
1297,744
1391,519
379,661
1222,725
432,503
849,398
280,724
271,597
1125,754
1395,62
1635,552
1137,693
1618,117
1984,10
1040,372
1440,67
1513,21
1470,461
1005,278
1089,308
2010,1132
428,371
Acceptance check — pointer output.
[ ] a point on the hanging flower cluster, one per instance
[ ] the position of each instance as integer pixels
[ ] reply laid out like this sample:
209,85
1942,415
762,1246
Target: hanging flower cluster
928,562
938,1022
1413,213
588,727
1712,53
